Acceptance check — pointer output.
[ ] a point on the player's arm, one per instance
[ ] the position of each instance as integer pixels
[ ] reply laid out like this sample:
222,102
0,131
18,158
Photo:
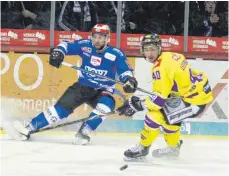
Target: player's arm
156,101
125,73
64,48
162,89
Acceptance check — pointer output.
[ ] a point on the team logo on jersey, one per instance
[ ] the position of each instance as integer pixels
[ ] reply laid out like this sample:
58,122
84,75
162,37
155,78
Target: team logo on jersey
86,49
176,57
110,56
96,61
184,64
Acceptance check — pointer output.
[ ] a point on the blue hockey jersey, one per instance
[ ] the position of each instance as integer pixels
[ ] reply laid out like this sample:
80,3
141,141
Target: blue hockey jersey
109,63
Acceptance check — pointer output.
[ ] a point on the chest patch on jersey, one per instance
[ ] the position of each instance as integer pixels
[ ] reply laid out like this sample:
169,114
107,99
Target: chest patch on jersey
176,57
110,56
86,49
96,61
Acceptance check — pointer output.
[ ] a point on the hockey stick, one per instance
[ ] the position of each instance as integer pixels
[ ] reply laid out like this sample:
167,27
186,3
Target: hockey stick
104,77
67,123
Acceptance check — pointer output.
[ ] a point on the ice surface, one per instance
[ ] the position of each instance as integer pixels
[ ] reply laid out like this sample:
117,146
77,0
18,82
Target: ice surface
52,155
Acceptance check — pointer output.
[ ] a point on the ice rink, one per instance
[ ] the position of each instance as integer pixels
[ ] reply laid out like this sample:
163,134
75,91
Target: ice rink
53,155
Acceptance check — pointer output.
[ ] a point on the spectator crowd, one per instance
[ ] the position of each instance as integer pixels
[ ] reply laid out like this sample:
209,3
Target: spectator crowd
206,18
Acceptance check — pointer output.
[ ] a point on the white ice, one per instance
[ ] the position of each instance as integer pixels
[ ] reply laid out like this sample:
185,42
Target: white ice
49,155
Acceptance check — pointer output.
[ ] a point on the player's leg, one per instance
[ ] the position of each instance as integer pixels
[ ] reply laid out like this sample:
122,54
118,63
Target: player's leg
50,116
73,97
149,133
105,103
172,139
172,131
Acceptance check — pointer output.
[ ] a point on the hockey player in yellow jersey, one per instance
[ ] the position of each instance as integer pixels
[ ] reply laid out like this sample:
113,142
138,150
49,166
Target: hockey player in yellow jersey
179,92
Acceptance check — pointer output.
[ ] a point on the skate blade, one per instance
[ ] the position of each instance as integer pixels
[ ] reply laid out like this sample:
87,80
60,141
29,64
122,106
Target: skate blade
138,159
79,141
167,158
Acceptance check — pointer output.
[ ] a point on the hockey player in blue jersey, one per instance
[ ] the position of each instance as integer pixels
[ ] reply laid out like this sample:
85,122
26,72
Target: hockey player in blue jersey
98,57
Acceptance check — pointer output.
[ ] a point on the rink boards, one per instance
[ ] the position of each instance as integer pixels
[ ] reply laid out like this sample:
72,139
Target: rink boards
134,127
187,128
31,86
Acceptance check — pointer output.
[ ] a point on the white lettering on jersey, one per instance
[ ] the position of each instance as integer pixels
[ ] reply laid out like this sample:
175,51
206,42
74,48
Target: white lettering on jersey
96,61
110,56
126,73
51,115
84,41
97,71
118,51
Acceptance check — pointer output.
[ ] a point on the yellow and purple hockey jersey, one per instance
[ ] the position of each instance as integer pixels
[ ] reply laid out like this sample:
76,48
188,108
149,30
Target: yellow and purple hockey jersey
173,75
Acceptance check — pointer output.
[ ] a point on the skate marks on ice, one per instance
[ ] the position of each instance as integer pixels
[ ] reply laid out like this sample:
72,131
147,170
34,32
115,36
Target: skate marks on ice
206,157
58,160
105,157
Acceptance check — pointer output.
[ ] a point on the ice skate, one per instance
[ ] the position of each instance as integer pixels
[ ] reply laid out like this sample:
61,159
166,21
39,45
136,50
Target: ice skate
168,152
137,153
82,136
24,130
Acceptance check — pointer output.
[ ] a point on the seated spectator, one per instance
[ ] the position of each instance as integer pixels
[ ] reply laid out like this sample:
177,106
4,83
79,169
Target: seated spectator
209,23
107,13
223,20
176,18
134,16
77,16
38,12
11,16
148,17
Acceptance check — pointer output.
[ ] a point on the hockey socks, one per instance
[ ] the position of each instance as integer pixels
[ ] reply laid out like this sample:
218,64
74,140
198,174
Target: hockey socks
50,116
105,105
92,124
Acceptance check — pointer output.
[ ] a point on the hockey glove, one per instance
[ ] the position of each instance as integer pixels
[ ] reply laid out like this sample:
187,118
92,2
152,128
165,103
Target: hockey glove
56,58
130,107
130,85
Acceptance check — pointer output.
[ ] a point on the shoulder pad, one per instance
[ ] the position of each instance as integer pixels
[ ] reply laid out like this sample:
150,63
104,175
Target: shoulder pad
177,56
118,51
83,41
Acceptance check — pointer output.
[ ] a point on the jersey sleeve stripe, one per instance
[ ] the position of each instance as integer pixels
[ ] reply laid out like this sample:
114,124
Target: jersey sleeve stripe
151,123
192,95
64,46
158,100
